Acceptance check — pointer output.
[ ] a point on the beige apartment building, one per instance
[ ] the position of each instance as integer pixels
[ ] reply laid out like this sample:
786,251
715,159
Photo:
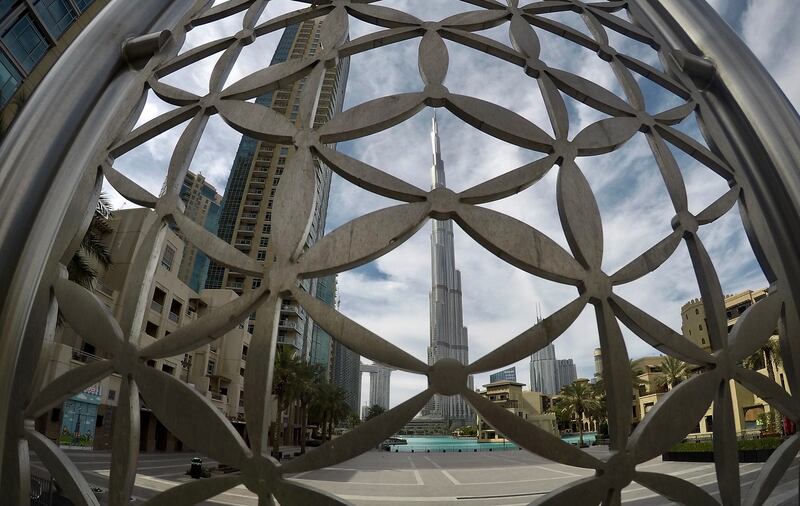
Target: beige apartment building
528,405
216,370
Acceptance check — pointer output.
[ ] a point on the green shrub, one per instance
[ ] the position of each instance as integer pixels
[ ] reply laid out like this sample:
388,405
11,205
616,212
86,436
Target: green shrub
742,444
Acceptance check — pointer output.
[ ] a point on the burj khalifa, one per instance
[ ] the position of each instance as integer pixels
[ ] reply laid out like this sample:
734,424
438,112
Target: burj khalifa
448,335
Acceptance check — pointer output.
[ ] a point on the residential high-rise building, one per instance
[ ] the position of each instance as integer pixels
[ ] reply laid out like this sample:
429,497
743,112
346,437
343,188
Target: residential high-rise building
448,335
566,373
379,384
346,374
598,362
321,349
509,374
544,375
33,35
203,204
247,206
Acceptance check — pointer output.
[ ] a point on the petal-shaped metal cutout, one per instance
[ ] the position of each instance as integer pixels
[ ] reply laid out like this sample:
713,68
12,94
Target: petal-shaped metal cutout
530,341
207,328
616,374
267,79
754,327
371,117
770,391
125,443
364,437
586,491
223,66
499,122
368,177
622,26
433,58
547,6
221,10
475,20
87,316
556,108
382,16
673,416
357,338
194,492
258,375
257,121
726,454
580,216
670,172
658,335
508,184
564,31
68,476
519,244
675,489
719,207
590,93
171,94
676,114
67,385
193,56
363,239
710,292
292,492
129,189
605,135
529,436
773,470
217,249
309,97
655,75
648,261
182,156
334,30
693,148
523,37
378,39
484,44
291,18
170,399
152,128
294,210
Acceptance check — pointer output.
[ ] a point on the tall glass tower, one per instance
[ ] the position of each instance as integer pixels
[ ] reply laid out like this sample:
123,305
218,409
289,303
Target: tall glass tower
246,216
448,334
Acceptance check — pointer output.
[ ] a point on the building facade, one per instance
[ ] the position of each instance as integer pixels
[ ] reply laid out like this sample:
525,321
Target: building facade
216,370
529,406
346,374
380,378
509,374
33,35
544,375
566,373
203,205
247,206
321,347
448,335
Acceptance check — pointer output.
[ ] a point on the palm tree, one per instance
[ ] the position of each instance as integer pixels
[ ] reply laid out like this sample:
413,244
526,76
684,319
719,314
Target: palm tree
674,371
768,355
375,410
284,388
576,400
307,380
329,402
636,382
79,268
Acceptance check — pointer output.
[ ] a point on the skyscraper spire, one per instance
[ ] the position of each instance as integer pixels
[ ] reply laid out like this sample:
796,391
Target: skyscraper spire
448,336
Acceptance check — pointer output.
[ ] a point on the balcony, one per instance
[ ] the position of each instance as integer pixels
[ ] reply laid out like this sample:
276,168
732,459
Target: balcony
258,181
246,229
292,309
288,325
249,217
82,356
156,306
242,244
252,204
174,317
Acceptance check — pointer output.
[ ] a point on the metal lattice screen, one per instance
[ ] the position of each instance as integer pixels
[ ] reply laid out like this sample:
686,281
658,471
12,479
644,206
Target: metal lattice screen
375,234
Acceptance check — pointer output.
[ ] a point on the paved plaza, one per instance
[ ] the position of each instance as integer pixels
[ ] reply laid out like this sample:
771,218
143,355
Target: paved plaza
475,479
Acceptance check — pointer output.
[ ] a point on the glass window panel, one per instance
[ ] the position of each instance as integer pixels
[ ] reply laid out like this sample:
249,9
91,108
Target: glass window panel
5,7
9,80
83,4
26,42
57,15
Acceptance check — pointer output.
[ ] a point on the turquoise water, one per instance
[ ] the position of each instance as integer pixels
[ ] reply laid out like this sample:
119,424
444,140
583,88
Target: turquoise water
422,444
588,438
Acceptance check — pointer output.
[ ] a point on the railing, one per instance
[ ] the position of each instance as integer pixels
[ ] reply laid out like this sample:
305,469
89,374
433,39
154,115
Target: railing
173,316
156,306
82,356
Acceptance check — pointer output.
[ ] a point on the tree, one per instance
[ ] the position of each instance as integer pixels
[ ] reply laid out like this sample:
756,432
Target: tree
576,400
636,382
329,403
307,379
91,248
284,388
767,356
353,420
674,371
375,410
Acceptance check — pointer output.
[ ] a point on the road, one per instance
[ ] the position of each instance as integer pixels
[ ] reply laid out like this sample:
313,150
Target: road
475,479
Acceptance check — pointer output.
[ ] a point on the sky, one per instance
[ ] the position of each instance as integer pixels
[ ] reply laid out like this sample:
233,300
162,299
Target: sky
390,295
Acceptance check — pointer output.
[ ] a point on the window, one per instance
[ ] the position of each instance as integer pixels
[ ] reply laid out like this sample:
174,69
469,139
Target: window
272,192
702,341
151,329
98,421
696,311
211,367
241,371
159,297
256,283
700,327
26,42
261,255
169,257
267,229
276,181
175,309
168,369
112,395
83,4
151,363
245,348
56,14
9,80
263,242
268,216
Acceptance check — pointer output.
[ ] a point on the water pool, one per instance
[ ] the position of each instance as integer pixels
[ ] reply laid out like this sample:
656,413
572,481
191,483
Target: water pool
588,438
423,444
